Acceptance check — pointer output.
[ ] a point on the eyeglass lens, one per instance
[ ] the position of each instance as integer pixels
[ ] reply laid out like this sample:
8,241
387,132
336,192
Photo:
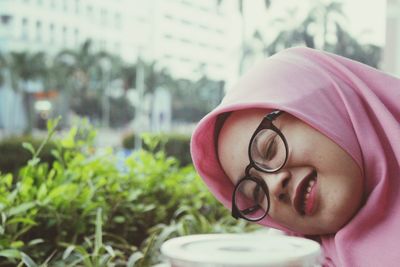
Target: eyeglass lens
251,200
268,150
268,153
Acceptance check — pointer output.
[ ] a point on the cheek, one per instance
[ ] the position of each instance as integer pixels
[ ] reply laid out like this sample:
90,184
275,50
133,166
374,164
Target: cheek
307,147
305,154
281,217
341,199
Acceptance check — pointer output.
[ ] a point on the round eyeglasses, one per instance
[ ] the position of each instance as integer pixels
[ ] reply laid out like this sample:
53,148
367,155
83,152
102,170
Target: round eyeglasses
268,153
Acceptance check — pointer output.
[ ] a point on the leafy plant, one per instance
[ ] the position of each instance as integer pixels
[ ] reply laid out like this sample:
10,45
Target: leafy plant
174,145
82,210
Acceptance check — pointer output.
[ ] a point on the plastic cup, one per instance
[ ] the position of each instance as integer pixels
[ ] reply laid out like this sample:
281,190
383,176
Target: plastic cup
241,250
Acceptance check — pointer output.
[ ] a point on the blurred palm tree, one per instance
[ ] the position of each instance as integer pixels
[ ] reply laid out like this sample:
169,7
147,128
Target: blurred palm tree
298,35
322,29
348,46
245,47
25,69
81,66
155,78
327,14
89,75
128,75
192,100
2,68
318,22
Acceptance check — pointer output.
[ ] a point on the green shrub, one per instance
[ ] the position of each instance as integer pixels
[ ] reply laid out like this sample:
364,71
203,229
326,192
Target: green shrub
81,210
13,156
174,145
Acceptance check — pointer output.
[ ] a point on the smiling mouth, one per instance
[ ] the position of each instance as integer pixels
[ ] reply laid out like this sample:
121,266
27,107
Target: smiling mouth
304,198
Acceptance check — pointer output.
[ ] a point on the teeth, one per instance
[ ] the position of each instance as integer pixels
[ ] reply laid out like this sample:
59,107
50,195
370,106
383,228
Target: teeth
308,190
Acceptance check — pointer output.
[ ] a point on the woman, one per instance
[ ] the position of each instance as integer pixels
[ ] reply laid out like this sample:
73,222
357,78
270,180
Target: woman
309,143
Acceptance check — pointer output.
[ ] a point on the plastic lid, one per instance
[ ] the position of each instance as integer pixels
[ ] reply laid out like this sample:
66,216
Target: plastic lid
242,250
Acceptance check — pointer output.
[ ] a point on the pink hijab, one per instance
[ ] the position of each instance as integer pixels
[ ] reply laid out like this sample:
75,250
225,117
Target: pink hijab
358,107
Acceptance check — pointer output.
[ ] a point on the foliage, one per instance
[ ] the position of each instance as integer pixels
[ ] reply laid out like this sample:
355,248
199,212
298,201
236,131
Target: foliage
89,76
121,112
349,47
323,28
2,68
85,80
82,210
23,68
13,156
174,145
193,100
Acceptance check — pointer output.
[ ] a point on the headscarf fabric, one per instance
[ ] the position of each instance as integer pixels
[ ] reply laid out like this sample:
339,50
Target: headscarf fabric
356,106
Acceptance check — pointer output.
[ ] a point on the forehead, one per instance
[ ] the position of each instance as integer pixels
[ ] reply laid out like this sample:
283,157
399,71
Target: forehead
233,141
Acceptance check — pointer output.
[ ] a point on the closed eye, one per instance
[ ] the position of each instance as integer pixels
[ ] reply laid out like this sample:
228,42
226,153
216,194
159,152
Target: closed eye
271,148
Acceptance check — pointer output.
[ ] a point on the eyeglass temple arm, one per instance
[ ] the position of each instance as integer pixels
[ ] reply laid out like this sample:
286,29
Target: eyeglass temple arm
274,114
236,213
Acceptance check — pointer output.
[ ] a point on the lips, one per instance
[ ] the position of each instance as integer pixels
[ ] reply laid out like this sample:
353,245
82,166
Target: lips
305,194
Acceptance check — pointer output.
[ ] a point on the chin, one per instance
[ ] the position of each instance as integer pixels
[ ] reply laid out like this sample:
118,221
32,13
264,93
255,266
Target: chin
333,225
324,227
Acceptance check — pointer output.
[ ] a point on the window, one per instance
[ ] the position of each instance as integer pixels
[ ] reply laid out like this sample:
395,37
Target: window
76,36
89,11
24,29
117,47
185,21
5,19
51,33
204,27
103,16
77,6
204,45
64,35
184,40
117,20
184,59
38,31
102,44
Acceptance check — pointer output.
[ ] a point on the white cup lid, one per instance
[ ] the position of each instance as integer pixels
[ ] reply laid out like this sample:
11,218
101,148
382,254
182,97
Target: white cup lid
242,250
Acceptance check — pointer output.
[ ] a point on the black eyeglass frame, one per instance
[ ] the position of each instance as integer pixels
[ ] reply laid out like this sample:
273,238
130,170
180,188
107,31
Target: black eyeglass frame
266,123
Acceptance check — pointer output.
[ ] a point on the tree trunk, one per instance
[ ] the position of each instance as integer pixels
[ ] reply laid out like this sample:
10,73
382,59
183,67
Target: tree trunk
29,112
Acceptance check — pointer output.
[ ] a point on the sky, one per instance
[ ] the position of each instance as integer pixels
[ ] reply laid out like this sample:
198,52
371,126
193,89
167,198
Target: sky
366,18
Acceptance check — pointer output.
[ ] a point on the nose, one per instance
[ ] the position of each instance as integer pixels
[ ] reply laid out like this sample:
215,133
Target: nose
278,185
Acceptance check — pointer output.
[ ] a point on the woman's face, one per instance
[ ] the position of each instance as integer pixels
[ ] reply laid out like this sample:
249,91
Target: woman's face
337,189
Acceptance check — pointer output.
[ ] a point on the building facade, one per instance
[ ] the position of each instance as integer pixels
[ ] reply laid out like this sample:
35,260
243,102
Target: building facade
189,37
391,61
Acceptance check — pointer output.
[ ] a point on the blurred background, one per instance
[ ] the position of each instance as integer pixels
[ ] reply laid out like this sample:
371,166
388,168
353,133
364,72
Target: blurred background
130,74
133,66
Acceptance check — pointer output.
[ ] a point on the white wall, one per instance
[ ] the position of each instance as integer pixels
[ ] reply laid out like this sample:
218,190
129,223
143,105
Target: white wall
391,61
189,37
